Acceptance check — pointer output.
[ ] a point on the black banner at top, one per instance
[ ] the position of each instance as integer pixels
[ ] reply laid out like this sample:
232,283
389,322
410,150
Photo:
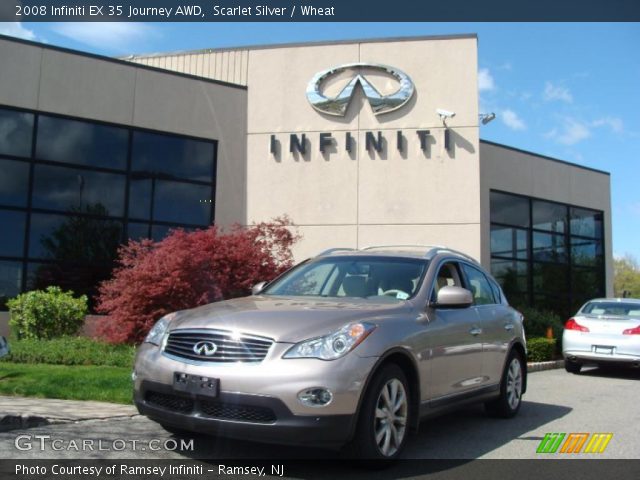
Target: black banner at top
317,10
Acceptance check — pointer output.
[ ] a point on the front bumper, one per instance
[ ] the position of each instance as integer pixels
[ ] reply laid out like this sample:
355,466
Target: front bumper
255,401
241,416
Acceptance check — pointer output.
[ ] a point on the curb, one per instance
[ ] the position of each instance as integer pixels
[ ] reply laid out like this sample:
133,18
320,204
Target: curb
541,366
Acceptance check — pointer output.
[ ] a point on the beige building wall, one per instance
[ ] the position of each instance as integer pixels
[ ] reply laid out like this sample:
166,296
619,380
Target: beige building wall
359,198
511,170
56,81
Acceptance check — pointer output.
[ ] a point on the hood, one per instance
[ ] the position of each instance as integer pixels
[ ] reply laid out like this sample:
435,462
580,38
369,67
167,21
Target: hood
285,319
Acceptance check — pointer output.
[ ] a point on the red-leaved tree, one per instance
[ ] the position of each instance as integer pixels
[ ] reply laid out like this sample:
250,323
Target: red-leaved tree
188,269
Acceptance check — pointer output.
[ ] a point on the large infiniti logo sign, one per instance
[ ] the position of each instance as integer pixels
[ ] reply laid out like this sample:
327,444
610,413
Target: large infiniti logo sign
379,103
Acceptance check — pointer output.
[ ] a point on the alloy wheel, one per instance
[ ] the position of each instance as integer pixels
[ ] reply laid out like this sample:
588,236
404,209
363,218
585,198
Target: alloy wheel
390,420
514,383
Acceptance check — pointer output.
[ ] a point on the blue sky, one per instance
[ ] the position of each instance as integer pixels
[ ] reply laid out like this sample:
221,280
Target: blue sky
567,90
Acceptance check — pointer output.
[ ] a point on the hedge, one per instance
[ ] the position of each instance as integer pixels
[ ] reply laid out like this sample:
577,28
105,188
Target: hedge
540,349
70,351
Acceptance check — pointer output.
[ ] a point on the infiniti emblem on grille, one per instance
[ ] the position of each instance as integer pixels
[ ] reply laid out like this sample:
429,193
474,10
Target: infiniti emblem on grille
208,349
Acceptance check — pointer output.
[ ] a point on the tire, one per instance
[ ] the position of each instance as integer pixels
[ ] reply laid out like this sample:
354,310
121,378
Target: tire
383,424
572,367
508,403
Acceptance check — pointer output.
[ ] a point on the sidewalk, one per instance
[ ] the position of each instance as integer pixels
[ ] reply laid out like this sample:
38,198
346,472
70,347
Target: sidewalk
27,412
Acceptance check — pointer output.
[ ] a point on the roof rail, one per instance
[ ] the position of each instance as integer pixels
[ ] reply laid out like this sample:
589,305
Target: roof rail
331,250
371,247
457,252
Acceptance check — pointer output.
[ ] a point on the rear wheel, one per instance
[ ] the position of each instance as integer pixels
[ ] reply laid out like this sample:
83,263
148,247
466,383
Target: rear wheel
382,428
510,399
572,367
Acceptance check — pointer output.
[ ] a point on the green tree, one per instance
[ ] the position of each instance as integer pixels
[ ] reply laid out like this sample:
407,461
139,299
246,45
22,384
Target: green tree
626,277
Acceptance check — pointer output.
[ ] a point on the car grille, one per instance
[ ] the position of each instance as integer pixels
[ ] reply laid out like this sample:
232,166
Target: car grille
228,347
218,410
170,402
239,413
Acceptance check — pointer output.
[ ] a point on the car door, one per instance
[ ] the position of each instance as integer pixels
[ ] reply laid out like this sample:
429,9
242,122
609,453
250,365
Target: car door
455,343
494,320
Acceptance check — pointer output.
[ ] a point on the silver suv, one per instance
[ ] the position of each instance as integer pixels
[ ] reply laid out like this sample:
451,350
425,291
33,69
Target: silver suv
352,347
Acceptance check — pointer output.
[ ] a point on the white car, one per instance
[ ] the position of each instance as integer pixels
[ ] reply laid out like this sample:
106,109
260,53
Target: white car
605,331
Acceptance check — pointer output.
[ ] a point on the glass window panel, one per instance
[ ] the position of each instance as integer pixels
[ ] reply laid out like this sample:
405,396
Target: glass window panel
138,231
479,285
549,216
10,281
587,281
12,237
586,252
549,247
173,156
16,132
557,303
60,188
140,198
509,209
74,238
182,203
509,242
158,232
550,278
511,274
74,141
587,223
14,182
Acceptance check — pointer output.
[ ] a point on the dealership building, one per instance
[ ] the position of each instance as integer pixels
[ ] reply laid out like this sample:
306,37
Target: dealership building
360,143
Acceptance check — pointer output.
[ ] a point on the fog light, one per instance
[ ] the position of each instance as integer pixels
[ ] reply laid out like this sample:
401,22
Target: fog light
315,397
134,375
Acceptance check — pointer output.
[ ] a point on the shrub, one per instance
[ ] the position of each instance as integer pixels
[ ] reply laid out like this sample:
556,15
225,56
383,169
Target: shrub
536,322
540,349
188,269
46,314
71,351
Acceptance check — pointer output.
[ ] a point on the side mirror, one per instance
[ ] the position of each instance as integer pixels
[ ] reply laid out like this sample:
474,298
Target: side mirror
4,347
453,297
258,287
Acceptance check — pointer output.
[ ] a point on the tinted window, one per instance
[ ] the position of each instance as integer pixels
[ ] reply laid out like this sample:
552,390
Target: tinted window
182,203
138,231
60,188
549,216
173,156
587,223
14,182
509,209
586,252
16,131
479,285
12,235
511,274
549,247
10,280
74,238
509,242
550,277
74,141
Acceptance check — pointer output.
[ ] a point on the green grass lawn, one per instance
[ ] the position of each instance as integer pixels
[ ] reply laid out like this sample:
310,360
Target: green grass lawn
106,384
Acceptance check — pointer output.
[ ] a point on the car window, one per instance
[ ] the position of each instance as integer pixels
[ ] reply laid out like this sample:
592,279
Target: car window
448,276
386,278
479,285
626,309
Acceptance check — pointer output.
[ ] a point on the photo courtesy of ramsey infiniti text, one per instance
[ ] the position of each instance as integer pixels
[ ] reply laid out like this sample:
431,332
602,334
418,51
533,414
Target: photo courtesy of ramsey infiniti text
349,348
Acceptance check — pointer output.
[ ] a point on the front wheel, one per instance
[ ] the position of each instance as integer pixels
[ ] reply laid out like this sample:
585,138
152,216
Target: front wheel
382,428
510,399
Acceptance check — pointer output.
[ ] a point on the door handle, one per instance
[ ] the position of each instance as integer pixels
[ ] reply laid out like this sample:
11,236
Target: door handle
475,331
508,326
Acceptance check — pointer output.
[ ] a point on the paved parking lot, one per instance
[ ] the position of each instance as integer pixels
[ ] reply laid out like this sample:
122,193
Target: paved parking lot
596,401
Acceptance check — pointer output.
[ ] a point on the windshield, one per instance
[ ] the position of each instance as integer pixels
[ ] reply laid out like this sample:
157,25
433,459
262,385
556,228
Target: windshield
365,277
612,309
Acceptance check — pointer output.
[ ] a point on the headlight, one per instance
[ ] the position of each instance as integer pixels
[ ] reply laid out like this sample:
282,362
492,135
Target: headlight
334,345
157,331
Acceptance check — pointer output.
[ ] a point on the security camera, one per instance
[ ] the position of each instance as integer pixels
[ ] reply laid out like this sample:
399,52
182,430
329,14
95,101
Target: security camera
445,113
